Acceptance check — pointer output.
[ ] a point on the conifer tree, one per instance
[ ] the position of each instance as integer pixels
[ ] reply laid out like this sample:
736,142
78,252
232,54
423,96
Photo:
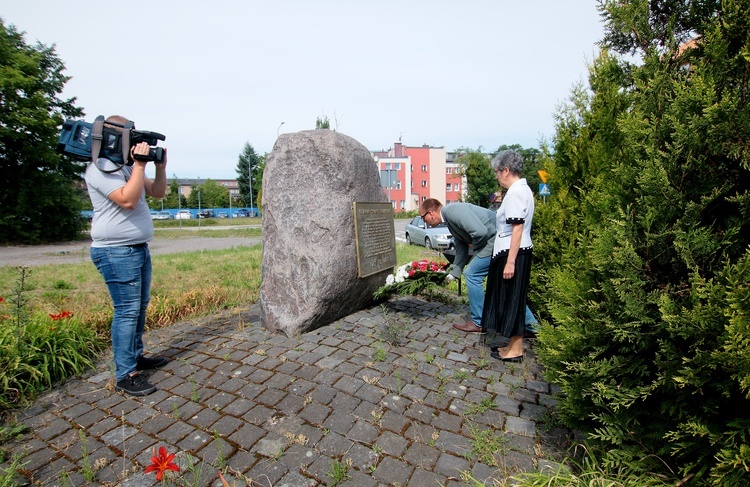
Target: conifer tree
650,288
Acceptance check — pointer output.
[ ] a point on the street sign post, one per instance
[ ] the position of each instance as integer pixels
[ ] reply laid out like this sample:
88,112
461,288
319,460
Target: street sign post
544,191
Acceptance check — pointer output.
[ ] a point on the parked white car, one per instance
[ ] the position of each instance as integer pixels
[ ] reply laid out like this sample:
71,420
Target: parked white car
183,215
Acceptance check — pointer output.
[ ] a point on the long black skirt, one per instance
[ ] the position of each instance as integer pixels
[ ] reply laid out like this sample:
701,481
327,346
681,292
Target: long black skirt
504,313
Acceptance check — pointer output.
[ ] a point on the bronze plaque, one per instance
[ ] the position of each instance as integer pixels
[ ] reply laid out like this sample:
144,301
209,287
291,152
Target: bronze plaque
375,236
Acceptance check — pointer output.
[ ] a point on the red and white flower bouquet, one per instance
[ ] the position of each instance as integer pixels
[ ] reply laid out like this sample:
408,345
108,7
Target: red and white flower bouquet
413,278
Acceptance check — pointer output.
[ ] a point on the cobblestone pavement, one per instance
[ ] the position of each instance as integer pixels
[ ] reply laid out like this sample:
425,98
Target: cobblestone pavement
387,396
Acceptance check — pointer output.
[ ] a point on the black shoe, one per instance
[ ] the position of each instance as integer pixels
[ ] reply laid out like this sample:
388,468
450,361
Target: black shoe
135,385
144,363
506,359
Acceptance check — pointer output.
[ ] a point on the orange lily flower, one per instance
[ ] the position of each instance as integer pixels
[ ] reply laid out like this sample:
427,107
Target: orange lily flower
161,463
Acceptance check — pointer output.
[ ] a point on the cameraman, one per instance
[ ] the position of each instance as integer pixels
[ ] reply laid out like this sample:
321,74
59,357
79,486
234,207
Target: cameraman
120,232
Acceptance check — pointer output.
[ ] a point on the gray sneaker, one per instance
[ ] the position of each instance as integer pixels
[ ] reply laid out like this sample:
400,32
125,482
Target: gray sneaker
135,385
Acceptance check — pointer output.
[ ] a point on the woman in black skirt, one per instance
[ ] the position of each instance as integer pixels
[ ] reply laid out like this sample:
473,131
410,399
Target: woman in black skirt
508,280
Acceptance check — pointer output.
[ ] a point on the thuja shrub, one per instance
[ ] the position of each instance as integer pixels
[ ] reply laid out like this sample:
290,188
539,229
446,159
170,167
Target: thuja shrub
649,293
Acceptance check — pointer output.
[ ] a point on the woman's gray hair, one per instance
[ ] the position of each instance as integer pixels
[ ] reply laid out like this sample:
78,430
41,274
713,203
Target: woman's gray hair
510,159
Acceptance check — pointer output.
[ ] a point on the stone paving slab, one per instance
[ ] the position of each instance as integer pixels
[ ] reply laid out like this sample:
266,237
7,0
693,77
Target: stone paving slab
390,395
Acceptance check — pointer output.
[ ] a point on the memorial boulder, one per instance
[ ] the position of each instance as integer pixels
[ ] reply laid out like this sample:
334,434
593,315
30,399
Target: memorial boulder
310,276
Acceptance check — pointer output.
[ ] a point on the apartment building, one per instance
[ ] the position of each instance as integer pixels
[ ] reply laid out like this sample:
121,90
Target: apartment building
410,175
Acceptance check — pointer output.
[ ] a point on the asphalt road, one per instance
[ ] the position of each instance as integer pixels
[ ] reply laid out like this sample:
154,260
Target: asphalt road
78,251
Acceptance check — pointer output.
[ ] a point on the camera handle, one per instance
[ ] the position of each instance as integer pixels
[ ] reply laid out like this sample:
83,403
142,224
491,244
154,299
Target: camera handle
98,135
96,138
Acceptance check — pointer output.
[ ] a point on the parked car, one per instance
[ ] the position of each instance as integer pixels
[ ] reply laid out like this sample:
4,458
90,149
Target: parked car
242,213
437,237
183,215
223,214
162,215
205,214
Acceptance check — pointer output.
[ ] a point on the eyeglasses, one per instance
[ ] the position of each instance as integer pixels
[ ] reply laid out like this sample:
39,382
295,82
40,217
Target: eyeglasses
426,213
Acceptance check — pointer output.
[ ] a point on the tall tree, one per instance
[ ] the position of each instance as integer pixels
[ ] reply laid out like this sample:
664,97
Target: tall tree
651,214
480,178
173,196
38,200
532,162
212,195
248,170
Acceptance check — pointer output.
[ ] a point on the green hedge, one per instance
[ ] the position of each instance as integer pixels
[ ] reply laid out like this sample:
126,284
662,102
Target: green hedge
643,250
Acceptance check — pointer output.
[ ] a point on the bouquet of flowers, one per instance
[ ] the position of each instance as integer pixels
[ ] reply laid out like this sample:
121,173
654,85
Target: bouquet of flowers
412,278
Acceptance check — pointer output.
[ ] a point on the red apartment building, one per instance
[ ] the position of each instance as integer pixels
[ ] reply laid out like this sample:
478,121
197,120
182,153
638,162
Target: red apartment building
410,175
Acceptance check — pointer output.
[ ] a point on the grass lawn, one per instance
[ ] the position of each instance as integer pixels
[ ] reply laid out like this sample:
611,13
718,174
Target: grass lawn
184,286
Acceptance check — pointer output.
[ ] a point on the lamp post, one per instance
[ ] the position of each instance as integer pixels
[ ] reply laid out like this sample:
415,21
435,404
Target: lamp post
252,212
250,183
277,130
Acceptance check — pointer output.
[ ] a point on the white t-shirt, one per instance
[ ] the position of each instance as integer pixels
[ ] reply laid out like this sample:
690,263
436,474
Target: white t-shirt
113,225
517,207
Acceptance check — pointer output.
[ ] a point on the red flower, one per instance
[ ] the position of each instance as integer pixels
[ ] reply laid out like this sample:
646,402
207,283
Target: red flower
161,463
2,300
59,316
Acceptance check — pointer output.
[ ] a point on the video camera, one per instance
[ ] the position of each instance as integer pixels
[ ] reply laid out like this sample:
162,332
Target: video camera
87,142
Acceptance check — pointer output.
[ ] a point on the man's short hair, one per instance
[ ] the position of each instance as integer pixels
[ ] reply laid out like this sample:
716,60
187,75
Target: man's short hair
431,204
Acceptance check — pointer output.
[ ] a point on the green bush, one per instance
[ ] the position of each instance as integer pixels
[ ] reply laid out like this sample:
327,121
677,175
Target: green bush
37,351
647,236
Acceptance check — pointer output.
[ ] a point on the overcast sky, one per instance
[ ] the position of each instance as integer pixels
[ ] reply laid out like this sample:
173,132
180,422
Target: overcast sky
214,75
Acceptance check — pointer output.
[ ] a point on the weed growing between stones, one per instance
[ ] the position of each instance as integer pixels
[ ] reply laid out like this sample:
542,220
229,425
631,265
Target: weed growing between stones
486,446
9,474
86,470
339,472
176,411
221,459
484,405
379,354
194,394
394,332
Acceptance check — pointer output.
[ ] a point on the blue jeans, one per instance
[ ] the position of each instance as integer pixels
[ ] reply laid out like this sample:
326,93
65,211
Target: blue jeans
474,274
127,273
531,322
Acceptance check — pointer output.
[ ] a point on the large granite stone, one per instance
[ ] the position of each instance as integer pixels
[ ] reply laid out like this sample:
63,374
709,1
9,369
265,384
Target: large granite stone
309,266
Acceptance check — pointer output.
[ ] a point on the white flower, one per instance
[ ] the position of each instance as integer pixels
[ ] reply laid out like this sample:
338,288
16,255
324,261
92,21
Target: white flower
389,280
402,272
